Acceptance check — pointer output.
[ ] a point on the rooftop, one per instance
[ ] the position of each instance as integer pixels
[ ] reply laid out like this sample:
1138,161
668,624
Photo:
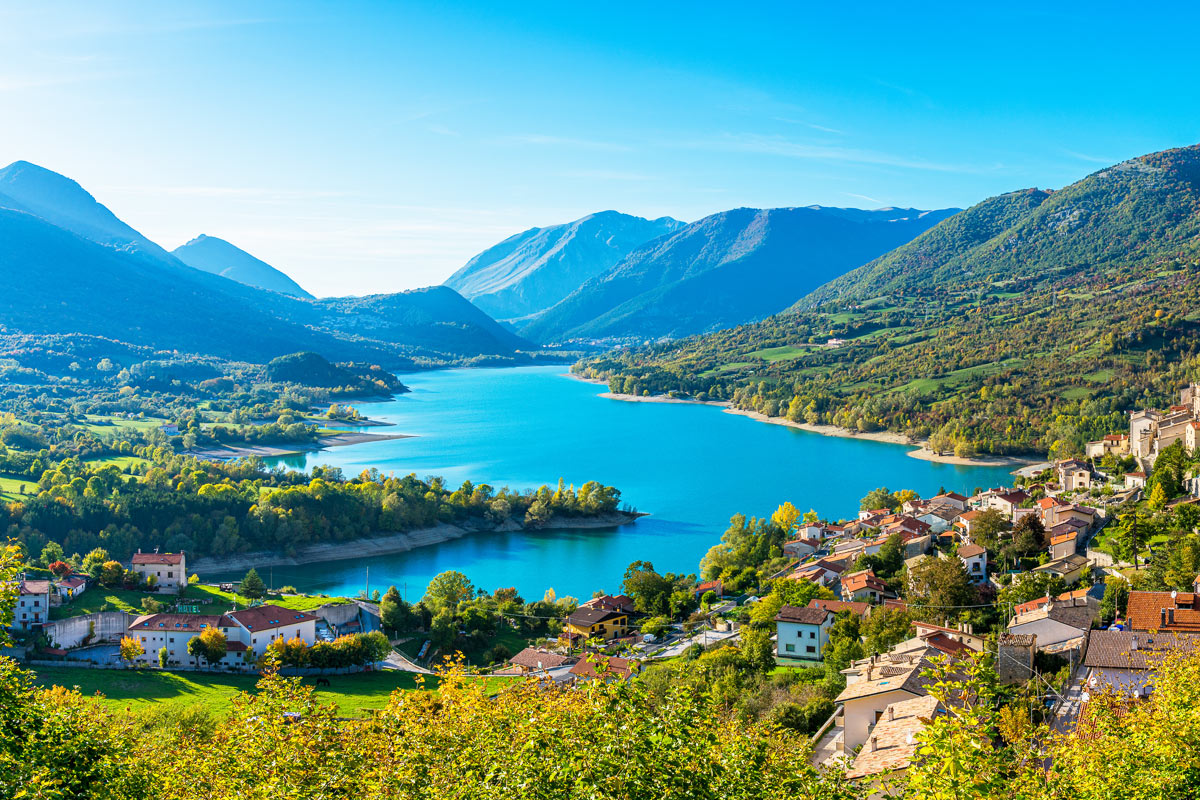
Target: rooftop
158,558
803,615
893,741
1136,650
266,617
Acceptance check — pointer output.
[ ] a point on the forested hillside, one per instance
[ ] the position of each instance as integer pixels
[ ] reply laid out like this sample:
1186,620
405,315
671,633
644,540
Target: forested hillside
1028,323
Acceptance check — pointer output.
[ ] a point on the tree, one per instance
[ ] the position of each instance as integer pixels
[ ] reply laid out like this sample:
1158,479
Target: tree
1029,586
112,573
447,590
884,628
1158,496
59,568
938,588
151,606
708,598
1116,597
1131,537
130,649
252,585
210,645
845,644
650,592
878,498
758,649
51,553
988,526
394,613
1029,536
93,562
655,626
785,518
163,657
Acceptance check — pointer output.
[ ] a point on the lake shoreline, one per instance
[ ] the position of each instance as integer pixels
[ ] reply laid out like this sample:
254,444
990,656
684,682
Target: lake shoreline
391,544
921,447
230,452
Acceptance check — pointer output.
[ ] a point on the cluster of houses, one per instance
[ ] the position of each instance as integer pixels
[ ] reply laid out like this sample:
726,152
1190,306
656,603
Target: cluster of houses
247,632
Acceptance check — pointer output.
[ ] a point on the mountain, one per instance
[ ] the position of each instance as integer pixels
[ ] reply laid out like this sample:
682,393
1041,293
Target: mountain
1139,209
726,269
210,254
1030,323
531,271
71,266
63,202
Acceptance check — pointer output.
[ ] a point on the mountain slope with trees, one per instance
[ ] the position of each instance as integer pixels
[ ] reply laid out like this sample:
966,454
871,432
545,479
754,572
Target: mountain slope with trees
531,271
1029,323
726,269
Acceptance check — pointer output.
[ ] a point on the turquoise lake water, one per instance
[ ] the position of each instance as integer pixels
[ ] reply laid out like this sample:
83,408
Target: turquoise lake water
690,466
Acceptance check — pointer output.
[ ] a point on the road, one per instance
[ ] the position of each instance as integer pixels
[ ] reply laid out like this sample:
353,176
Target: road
676,647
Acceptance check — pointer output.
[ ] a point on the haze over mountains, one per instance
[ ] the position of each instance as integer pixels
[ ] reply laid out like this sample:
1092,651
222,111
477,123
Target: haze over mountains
219,257
71,266
726,269
531,271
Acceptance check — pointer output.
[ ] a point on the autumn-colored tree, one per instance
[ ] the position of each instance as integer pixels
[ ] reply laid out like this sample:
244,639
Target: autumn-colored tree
130,649
785,518
60,568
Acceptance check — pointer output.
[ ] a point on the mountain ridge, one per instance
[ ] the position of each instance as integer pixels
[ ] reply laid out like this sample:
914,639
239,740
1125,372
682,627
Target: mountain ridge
220,257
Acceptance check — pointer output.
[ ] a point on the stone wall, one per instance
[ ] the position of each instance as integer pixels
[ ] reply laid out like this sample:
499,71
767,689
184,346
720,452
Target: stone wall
1014,657
106,626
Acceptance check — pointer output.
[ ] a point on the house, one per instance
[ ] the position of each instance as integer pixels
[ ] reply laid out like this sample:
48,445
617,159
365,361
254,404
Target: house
70,586
620,602
863,585
248,633
939,518
33,605
1127,660
1058,624
607,668
1113,444
261,625
535,660
963,635
802,632
1009,502
174,631
838,606
169,570
1074,474
892,743
974,558
600,623
716,587
1070,569
1064,543
918,545
964,525
1135,480
1163,611
871,688
810,532
800,548
1191,436
952,499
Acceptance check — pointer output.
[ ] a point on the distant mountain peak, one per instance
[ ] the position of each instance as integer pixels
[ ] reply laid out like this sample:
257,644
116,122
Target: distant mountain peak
217,256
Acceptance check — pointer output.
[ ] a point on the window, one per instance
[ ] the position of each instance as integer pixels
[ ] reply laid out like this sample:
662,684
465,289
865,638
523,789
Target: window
791,648
810,649
878,716
170,574
812,634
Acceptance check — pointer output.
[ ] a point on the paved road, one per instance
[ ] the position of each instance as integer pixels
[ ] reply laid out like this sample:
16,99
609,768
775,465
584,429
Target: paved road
677,647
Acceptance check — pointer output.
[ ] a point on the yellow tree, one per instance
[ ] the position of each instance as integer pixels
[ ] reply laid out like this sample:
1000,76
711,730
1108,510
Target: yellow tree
785,517
130,649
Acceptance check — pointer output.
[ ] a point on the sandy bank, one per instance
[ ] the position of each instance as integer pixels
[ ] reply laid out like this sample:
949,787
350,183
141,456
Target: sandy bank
390,544
229,452
921,448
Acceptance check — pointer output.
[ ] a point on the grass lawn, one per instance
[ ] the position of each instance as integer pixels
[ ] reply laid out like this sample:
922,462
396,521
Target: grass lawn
9,487
101,424
782,353
137,689
96,597
122,462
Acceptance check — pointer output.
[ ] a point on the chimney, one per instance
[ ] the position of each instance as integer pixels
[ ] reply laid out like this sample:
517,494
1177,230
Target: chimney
1171,616
874,744
891,712
1133,643
1162,617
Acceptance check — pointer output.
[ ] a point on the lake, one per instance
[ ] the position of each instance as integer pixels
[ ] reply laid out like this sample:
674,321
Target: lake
690,466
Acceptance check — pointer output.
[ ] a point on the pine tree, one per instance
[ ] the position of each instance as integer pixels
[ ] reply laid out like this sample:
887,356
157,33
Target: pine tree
252,585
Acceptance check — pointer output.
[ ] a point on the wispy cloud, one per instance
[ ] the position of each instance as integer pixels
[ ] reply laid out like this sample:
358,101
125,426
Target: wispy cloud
807,124
864,197
781,146
566,141
1091,159
442,130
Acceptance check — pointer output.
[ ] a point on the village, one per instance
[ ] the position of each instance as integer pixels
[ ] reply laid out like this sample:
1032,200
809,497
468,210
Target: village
1047,592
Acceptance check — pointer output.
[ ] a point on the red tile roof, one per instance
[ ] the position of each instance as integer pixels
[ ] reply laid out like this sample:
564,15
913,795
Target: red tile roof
856,608
971,551
269,617
1158,611
616,667
158,558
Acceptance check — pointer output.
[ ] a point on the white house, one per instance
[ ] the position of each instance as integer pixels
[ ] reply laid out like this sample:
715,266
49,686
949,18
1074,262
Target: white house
248,633
802,631
1127,660
70,586
869,692
974,558
169,570
1070,569
33,605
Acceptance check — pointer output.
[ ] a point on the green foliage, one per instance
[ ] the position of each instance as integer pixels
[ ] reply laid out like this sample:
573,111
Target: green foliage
252,585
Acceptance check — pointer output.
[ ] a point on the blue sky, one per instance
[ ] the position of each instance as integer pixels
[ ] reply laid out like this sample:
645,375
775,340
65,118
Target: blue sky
367,147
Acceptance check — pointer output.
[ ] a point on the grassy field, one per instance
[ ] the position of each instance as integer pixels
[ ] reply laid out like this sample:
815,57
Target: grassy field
355,695
9,487
96,597
102,424
781,353
123,462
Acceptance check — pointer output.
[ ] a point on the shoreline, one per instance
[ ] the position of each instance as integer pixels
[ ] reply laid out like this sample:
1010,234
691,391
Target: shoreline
392,544
230,452
920,449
